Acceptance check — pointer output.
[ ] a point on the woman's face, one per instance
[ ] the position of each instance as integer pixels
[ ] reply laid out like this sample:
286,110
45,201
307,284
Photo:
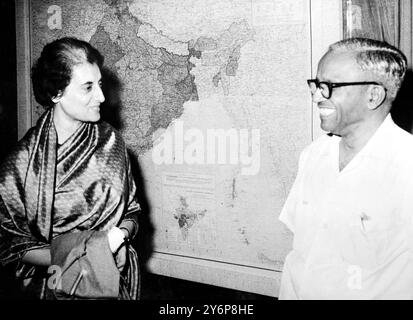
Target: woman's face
80,101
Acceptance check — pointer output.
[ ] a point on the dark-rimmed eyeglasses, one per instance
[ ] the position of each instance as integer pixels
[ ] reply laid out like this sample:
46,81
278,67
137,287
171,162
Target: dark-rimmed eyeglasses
326,88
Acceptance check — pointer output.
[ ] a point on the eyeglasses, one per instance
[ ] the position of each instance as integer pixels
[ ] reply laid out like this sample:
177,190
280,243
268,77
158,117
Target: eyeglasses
326,88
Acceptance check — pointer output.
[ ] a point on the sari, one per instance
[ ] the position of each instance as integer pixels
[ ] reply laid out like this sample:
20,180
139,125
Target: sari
48,190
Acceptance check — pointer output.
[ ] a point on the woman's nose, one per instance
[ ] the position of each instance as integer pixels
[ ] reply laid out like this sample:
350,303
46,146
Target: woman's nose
99,95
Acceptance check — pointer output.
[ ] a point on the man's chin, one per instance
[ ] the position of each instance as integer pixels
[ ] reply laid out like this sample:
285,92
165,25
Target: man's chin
327,127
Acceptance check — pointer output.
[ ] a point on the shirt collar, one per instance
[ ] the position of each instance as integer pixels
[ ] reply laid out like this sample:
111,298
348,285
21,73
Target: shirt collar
379,146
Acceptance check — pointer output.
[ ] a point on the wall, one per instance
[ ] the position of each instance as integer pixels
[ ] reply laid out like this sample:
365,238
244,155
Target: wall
174,74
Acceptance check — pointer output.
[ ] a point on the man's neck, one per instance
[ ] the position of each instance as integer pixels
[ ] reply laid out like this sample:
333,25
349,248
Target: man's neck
352,142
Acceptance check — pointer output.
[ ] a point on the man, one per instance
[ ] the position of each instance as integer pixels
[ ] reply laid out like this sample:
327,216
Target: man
351,205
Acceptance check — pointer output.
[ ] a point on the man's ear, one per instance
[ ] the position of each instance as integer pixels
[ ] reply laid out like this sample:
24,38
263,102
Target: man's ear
57,98
376,97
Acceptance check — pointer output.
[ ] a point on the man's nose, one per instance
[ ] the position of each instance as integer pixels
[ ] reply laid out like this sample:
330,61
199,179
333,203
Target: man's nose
317,96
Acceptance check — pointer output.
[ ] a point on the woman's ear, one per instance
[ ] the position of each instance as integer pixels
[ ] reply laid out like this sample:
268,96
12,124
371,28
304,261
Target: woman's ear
57,98
376,97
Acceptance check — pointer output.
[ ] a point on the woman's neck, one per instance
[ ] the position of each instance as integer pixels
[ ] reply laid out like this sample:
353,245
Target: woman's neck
65,126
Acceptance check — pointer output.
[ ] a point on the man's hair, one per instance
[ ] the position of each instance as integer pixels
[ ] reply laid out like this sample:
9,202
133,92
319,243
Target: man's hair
378,57
52,72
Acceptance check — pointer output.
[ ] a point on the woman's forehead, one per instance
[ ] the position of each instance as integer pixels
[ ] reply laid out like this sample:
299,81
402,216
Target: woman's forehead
85,72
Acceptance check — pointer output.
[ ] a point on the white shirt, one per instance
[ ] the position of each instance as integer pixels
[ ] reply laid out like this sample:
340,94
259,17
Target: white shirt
353,234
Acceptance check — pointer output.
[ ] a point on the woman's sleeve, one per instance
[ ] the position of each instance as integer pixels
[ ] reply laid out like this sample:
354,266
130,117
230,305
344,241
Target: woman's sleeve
130,220
16,237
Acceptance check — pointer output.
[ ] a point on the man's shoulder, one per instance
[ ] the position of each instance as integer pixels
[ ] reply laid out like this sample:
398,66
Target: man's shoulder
406,137
402,140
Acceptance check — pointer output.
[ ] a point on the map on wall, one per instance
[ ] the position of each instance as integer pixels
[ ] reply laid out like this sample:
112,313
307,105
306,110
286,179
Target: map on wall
214,106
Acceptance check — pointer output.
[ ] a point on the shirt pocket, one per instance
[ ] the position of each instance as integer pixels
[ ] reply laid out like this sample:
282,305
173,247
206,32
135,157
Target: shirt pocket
378,235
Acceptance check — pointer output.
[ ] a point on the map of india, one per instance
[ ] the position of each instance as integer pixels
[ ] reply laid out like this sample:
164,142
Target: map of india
210,97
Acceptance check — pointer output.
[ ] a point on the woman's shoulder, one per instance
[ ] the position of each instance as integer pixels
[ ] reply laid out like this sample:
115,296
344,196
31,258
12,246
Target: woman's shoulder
107,129
23,145
108,133
19,154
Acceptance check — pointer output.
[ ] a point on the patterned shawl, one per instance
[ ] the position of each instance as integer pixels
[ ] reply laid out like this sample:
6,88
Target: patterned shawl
47,190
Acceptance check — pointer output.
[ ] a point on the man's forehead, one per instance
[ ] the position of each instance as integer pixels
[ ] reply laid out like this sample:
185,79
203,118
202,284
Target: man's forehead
339,65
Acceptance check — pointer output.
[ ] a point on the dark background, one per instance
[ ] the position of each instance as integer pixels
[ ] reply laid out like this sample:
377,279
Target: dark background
8,94
154,287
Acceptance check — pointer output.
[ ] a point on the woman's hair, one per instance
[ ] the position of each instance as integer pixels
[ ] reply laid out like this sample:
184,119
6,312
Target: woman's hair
388,63
52,72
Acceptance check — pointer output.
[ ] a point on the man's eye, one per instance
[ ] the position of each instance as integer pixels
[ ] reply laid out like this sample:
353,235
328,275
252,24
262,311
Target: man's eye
88,88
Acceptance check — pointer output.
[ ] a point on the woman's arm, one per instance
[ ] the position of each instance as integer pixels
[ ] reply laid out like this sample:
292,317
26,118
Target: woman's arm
38,257
129,227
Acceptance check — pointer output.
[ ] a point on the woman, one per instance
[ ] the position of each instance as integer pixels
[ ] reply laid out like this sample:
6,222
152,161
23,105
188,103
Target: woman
68,186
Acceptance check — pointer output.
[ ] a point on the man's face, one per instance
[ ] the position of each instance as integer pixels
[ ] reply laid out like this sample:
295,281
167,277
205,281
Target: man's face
346,109
82,97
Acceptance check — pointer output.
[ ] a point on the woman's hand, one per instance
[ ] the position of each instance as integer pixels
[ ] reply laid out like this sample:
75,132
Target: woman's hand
120,257
115,237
